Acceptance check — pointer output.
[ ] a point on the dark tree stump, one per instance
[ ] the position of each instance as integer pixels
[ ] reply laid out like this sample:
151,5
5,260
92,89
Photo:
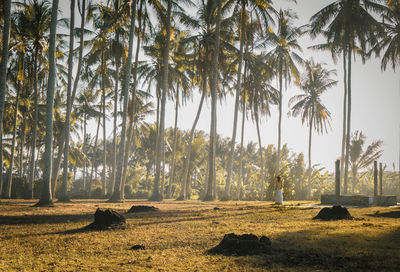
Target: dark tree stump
135,209
241,245
107,219
334,213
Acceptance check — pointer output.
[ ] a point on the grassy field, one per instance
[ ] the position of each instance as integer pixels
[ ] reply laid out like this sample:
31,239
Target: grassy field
177,236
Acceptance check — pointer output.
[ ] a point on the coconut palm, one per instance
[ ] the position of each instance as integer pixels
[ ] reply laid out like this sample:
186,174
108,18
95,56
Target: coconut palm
360,158
261,95
315,81
262,9
283,57
348,27
3,76
390,43
46,197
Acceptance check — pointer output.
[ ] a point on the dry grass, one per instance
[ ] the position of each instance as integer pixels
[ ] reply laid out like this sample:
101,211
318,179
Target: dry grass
177,236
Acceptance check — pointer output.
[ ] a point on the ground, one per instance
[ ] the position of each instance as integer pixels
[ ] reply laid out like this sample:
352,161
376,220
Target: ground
177,237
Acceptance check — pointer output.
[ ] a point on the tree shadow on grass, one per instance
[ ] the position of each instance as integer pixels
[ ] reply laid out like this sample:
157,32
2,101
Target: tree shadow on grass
391,214
303,251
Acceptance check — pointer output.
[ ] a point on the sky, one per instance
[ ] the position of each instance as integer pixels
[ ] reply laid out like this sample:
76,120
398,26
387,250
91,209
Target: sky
375,104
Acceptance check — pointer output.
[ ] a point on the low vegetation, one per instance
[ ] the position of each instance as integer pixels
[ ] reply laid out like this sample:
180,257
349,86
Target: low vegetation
176,237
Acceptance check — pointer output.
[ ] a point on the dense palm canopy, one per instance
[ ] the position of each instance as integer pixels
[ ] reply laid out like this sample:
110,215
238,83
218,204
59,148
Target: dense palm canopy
135,57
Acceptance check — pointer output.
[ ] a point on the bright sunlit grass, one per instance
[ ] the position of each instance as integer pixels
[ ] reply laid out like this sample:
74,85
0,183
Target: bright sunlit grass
177,236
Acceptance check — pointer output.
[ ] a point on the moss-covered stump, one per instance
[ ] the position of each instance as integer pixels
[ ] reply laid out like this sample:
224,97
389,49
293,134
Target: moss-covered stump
242,245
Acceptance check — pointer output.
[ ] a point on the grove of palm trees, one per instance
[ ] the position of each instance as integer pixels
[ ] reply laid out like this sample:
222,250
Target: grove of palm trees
173,102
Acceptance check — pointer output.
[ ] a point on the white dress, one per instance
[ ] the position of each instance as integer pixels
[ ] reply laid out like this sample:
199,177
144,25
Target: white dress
278,197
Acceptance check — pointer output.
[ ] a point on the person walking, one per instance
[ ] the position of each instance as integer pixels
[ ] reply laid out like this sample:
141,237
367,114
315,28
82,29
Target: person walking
278,190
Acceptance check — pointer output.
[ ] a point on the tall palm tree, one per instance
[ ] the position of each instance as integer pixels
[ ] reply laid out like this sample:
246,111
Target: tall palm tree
348,27
260,97
118,191
361,159
212,146
46,197
3,76
283,57
315,81
262,9
71,96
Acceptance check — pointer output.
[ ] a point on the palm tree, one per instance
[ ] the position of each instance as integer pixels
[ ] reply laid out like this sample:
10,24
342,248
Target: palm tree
46,197
71,96
390,43
348,27
118,191
262,10
283,58
212,147
314,82
361,159
3,77
260,97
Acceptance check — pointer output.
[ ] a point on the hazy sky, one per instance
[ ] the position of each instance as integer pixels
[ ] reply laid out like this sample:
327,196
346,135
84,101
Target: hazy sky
375,105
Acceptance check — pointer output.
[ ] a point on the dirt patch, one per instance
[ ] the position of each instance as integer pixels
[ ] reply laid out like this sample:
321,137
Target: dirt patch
334,213
241,245
136,209
107,219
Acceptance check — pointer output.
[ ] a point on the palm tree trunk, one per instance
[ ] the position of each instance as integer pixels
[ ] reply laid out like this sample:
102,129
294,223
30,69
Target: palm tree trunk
185,180
114,163
46,197
279,121
157,195
227,195
261,158
309,155
70,96
346,166
118,191
131,117
3,76
342,157
35,122
13,143
21,155
89,184
84,152
239,186
103,175
172,173
211,152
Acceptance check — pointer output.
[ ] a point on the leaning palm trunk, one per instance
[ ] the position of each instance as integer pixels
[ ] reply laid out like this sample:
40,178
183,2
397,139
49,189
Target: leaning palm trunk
3,76
344,115
186,179
46,197
64,189
118,191
211,152
13,143
114,162
261,159
309,155
238,88
157,194
172,174
346,165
